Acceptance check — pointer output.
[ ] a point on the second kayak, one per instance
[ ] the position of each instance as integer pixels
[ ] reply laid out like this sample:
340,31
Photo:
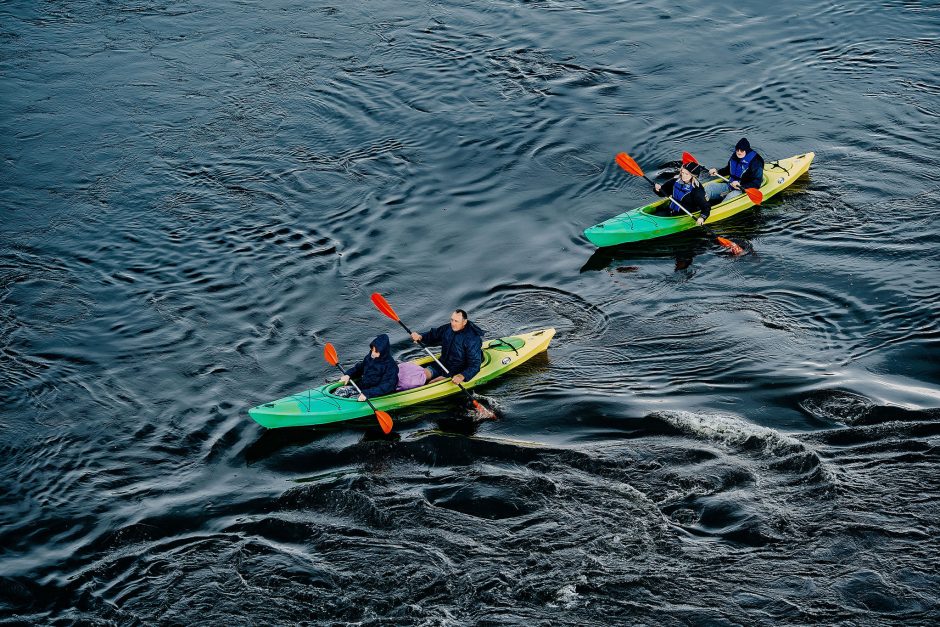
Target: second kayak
642,223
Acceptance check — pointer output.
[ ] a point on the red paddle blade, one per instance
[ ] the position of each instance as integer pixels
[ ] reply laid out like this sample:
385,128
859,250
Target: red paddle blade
382,305
727,243
483,411
688,158
329,353
385,421
626,162
755,195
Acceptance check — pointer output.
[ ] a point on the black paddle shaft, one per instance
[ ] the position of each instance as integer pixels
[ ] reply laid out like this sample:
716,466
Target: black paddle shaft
341,369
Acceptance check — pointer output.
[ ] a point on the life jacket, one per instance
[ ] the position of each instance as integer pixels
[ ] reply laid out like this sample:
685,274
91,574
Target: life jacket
739,166
679,191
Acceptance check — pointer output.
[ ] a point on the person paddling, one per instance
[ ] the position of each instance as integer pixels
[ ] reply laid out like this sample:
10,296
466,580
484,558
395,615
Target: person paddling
687,190
461,344
377,373
745,169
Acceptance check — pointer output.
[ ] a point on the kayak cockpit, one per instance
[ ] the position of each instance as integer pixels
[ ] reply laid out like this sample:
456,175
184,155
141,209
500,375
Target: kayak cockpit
424,361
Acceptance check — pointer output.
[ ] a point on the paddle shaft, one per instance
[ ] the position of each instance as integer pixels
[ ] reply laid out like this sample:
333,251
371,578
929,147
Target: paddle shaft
627,162
707,230
678,204
752,192
341,369
728,181
438,361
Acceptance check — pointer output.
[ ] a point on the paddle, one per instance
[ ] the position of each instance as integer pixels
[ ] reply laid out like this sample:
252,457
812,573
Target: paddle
385,421
382,305
756,196
626,162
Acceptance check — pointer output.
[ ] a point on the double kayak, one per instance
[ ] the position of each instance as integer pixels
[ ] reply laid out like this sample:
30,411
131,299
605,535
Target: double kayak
318,406
643,223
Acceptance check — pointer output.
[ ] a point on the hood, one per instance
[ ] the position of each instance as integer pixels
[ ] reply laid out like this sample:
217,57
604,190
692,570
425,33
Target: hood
473,328
382,345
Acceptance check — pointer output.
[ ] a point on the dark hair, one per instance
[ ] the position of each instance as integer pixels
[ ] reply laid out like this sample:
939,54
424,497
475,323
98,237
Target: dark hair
462,313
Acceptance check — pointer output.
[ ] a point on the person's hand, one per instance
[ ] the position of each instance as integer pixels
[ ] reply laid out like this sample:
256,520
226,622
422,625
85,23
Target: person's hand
362,398
700,221
344,379
457,378
735,184
713,171
415,336
657,187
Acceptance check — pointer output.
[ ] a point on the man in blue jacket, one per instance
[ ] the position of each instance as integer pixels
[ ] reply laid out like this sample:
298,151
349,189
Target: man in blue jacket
745,169
377,373
461,344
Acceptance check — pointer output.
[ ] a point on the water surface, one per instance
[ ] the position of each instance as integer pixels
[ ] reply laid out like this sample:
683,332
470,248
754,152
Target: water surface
198,195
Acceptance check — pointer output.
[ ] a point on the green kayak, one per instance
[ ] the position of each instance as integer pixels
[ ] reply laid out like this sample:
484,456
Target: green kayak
641,224
318,406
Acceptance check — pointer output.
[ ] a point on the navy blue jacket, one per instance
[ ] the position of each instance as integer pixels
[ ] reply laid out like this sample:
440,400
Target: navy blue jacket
753,176
694,201
379,376
461,352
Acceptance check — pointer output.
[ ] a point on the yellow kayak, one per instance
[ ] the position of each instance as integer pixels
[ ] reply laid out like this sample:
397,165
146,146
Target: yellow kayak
642,223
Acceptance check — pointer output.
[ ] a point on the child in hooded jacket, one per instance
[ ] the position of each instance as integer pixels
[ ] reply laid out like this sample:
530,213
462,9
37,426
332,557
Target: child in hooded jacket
377,373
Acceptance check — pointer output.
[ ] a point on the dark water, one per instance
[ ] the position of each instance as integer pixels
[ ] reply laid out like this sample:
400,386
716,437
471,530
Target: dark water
198,195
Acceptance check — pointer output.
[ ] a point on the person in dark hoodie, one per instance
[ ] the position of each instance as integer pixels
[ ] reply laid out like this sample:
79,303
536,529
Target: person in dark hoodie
745,169
687,190
377,374
461,344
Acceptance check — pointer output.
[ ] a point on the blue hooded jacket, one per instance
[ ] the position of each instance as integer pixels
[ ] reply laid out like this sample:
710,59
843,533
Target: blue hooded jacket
753,174
461,352
379,376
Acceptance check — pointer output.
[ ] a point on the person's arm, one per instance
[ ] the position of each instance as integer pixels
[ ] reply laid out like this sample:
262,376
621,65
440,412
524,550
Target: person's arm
725,171
355,371
474,359
754,175
665,190
433,337
700,203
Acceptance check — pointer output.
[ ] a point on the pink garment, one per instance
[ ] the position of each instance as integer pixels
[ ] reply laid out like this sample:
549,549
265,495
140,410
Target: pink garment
409,376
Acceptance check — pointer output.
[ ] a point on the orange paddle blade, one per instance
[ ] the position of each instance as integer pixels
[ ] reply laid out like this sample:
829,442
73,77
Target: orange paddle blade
382,305
626,162
483,411
727,243
385,421
329,353
755,195
688,158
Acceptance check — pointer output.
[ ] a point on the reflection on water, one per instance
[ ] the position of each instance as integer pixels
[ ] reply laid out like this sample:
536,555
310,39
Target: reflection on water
197,198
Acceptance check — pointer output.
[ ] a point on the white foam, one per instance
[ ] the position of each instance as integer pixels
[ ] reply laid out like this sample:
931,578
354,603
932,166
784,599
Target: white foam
731,431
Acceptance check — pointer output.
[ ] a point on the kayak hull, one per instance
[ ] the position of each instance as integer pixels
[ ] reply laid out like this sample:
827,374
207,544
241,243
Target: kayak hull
317,406
642,224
